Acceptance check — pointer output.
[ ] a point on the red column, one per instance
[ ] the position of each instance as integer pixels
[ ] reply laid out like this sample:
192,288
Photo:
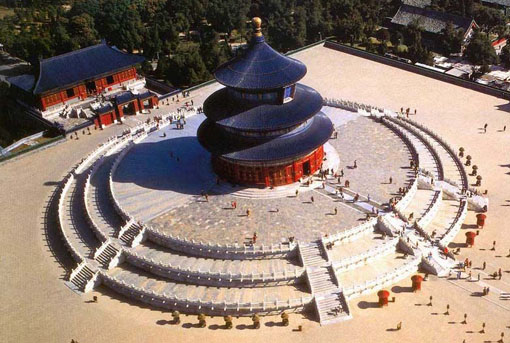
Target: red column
135,104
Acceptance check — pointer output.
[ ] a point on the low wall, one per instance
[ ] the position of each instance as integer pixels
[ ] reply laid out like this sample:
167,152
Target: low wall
419,70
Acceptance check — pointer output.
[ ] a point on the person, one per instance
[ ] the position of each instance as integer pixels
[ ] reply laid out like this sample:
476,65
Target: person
493,246
256,321
206,197
485,128
391,180
504,128
484,265
201,320
228,322
94,298
312,199
336,211
355,164
297,192
285,319
177,317
483,328
399,326
447,313
254,239
248,212
234,204
430,301
465,319
478,278
500,274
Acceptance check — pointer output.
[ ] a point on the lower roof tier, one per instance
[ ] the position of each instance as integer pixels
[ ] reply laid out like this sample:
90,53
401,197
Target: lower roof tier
296,143
224,109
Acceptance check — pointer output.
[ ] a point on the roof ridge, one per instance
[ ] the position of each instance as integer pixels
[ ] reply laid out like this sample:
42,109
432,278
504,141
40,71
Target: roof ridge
421,9
73,52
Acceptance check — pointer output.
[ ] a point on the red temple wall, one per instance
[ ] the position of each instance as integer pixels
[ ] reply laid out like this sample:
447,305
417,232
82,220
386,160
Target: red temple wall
81,90
269,175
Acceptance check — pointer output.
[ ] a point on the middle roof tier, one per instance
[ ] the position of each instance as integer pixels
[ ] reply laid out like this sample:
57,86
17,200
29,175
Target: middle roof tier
227,110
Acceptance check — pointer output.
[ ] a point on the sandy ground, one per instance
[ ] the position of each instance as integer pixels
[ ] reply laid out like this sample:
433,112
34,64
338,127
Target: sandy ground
35,305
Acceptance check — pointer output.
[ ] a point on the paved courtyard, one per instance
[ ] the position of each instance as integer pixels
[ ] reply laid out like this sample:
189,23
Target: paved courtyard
37,306
161,180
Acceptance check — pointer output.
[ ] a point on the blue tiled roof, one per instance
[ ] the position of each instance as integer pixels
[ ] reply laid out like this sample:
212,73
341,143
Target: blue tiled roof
25,81
85,64
124,98
105,109
294,144
145,95
260,67
232,113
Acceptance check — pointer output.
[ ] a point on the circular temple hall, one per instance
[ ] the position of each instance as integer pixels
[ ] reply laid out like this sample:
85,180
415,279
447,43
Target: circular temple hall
264,128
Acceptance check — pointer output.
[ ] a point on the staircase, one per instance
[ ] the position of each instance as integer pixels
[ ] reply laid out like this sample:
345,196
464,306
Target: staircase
81,277
312,254
129,235
329,299
332,308
106,255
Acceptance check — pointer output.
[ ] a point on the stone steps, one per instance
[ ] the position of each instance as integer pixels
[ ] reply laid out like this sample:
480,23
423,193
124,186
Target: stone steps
321,280
312,254
332,308
106,256
80,280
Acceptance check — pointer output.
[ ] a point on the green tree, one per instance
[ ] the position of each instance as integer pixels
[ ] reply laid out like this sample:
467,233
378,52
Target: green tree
451,39
505,56
480,50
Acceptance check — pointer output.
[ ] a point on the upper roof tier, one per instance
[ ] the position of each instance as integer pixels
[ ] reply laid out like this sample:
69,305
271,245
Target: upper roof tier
260,67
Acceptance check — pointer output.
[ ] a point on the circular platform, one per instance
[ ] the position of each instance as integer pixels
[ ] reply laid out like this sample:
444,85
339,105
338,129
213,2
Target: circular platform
160,182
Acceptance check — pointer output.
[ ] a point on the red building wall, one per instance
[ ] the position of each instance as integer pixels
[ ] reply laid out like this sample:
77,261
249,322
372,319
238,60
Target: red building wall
269,176
80,91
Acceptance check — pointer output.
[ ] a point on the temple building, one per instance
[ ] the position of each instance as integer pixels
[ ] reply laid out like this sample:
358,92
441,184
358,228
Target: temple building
263,128
77,77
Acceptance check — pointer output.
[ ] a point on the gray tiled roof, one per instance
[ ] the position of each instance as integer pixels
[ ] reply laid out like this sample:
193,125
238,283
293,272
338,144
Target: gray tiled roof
505,3
417,3
429,20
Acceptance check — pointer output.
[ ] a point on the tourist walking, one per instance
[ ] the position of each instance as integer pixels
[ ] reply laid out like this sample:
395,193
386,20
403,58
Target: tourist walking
485,128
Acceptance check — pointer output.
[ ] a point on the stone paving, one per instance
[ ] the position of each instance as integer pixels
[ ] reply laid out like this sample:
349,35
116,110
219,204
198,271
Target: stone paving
380,154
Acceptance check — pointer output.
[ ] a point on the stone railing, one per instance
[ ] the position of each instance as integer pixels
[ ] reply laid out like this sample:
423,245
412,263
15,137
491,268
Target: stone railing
446,146
97,231
207,277
456,225
350,234
68,181
116,204
408,197
383,280
354,106
410,127
363,258
196,305
404,136
432,210
226,251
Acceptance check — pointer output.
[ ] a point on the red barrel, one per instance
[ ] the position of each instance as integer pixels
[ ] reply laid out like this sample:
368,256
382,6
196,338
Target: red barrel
470,238
416,279
480,220
383,297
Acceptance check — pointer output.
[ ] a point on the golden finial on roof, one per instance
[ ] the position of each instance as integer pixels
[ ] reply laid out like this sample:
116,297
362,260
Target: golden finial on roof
257,23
